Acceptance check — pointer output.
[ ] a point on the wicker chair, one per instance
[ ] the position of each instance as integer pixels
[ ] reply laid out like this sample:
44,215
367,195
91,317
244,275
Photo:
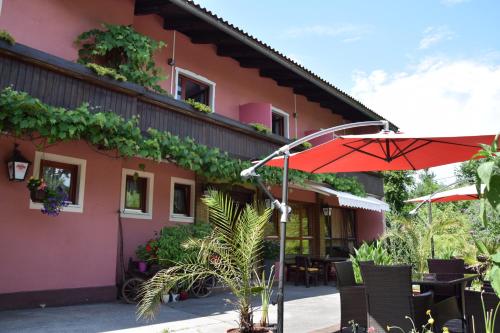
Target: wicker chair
473,307
445,266
352,296
305,271
389,298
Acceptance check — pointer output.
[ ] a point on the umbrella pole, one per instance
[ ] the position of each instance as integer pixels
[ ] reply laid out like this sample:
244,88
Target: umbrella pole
430,226
283,221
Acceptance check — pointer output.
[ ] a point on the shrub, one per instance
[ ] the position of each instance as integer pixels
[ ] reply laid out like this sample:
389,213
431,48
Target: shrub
5,36
199,106
260,128
366,252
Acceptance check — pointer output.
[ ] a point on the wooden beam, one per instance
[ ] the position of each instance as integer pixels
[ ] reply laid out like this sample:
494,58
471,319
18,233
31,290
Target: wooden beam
185,24
235,51
146,7
206,38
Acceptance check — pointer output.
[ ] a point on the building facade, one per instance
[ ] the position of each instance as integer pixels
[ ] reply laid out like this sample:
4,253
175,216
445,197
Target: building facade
116,203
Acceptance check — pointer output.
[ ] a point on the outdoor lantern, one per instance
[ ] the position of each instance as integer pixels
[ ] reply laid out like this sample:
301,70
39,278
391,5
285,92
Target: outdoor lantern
327,211
17,166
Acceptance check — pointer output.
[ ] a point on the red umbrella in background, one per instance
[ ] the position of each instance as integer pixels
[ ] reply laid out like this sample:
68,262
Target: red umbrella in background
384,151
457,194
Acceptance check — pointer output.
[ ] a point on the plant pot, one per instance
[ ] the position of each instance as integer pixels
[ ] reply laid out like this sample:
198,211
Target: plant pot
474,308
38,195
183,295
142,266
256,329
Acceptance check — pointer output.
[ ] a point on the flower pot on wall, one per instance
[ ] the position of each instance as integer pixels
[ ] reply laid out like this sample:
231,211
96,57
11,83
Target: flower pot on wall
38,195
143,266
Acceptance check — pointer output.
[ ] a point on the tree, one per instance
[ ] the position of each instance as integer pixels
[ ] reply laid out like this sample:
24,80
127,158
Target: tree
230,254
426,184
397,186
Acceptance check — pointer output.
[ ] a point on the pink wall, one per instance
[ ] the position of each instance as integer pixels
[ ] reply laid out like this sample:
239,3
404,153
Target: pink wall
74,250
369,225
53,25
259,113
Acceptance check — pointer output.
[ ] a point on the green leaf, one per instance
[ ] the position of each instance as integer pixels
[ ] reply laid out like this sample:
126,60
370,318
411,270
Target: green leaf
485,172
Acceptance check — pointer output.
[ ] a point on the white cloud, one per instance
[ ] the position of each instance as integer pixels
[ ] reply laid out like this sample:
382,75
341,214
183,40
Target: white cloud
348,33
434,35
437,97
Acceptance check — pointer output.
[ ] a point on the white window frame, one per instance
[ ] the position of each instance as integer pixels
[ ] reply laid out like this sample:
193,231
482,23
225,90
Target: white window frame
197,77
286,117
133,213
80,182
180,217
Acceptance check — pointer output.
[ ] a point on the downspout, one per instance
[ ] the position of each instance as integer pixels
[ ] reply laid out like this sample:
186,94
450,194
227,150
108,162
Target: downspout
295,115
0,7
173,66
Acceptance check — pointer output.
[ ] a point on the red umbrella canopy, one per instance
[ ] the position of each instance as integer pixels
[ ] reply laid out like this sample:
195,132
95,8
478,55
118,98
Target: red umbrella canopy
384,151
457,194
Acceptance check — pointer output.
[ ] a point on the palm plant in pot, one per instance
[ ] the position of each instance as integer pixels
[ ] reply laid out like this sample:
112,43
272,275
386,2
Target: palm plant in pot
229,253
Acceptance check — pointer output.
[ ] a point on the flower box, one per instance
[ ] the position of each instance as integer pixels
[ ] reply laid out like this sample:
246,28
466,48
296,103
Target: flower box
38,195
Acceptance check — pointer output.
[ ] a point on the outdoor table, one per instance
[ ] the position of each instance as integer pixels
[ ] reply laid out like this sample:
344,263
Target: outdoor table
326,264
456,280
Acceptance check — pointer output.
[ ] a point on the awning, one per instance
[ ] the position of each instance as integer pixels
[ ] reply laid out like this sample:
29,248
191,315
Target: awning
346,199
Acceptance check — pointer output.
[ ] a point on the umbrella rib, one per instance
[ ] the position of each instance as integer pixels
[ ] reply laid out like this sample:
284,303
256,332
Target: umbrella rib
404,155
342,156
406,151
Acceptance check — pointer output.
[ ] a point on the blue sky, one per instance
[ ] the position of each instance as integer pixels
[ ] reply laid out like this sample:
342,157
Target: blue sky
431,67
337,38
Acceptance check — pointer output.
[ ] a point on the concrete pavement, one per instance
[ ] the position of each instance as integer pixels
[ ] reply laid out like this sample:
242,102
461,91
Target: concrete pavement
306,310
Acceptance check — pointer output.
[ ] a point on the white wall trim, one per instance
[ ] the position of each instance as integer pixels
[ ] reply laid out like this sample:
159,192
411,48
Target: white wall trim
134,214
286,117
197,77
80,182
179,217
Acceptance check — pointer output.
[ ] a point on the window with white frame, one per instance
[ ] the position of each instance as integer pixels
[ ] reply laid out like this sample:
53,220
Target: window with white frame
189,85
65,172
280,122
182,200
137,194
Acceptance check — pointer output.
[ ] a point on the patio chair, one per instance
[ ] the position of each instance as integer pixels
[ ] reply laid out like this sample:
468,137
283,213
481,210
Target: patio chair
389,298
352,296
445,266
474,308
305,271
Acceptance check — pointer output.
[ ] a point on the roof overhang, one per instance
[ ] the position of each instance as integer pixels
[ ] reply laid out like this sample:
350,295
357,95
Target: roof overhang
203,27
345,199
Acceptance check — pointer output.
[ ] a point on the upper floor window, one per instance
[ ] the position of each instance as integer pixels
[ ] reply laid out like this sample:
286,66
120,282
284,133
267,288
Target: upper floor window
65,172
193,86
279,122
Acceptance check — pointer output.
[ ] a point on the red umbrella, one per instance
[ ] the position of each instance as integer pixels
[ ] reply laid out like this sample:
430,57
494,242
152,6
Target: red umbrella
457,194
384,151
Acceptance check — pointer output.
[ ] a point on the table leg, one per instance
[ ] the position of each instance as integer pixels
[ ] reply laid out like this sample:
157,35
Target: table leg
326,268
462,304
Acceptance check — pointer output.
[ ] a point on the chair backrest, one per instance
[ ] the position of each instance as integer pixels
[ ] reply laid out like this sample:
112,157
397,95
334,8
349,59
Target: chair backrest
388,296
302,261
345,274
474,308
446,266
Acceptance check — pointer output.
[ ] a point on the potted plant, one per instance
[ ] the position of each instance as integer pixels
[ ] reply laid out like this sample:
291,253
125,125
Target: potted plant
229,254
53,198
266,293
147,254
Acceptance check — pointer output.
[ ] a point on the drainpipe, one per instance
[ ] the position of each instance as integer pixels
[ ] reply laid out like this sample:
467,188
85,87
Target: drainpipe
0,7
172,66
295,115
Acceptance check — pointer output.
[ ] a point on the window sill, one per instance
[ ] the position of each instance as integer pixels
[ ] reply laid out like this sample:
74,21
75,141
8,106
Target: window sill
67,209
181,218
135,214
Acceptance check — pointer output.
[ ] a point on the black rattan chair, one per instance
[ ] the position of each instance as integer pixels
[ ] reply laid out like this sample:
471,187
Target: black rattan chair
445,266
305,271
389,298
474,308
352,296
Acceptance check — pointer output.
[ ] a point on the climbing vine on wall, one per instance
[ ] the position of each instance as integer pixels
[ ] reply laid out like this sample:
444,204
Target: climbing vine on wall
124,50
27,117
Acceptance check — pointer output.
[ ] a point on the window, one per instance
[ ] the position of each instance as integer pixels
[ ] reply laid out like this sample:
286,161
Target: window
137,194
193,86
182,200
298,229
66,172
279,122
340,233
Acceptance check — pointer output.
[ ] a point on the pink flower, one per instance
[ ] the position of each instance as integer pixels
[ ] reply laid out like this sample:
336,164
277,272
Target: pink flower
371,329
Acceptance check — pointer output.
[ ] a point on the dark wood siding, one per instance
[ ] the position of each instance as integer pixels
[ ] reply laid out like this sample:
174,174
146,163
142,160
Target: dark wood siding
65,84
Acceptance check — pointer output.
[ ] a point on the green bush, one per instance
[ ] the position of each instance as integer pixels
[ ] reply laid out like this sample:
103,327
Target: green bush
5,36
199,106
369,252
260,128
171,240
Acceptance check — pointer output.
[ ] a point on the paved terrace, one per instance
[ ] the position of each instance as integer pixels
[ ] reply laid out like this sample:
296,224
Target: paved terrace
314,309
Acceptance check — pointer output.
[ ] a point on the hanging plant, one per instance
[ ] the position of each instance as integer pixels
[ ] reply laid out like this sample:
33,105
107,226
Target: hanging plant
52,198
124,50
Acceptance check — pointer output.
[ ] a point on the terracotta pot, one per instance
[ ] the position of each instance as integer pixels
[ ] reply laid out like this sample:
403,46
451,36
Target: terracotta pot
37,195
256,329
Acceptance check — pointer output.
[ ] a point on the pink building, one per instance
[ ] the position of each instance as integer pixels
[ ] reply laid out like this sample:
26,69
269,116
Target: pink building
74,257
